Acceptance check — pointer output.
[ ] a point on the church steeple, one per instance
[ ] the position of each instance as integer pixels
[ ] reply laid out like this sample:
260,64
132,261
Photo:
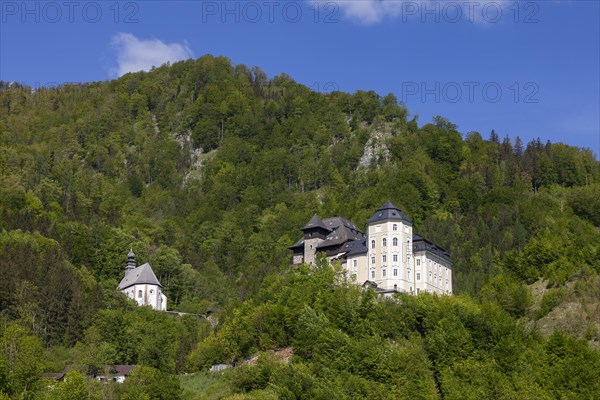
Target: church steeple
131,264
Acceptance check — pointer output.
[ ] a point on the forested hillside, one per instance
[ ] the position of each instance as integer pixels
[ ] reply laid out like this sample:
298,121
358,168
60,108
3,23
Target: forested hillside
207,170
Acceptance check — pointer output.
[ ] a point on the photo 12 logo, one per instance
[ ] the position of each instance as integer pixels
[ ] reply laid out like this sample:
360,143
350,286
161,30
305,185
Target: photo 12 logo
470,92
53,12
253,12
490,12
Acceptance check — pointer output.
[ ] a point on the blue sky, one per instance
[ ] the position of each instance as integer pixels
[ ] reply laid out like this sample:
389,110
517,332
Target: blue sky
526,68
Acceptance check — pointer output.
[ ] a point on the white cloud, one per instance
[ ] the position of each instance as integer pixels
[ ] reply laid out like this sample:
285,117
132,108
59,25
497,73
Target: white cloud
369,12
134,54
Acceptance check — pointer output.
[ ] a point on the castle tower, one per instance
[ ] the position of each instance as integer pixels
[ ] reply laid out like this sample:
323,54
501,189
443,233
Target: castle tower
315,232
389,255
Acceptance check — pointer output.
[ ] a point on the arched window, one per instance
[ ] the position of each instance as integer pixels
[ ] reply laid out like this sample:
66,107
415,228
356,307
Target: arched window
372,244
395,227
395,241
139,293
384,242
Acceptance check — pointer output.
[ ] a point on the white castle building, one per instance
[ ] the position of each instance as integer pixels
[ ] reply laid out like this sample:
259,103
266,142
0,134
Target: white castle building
390,258
141,285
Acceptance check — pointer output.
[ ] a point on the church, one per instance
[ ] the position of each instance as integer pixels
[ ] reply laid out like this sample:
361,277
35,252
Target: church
141,285
389,258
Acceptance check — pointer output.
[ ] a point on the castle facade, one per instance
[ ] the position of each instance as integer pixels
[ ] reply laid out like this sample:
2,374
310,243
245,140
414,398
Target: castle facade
389,258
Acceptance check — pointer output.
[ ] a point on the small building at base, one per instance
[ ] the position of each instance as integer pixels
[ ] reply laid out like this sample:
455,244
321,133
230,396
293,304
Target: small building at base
142,285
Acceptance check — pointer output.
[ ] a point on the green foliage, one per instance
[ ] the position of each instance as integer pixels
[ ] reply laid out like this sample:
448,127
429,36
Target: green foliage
448,347
550,299
207,170
150,383
73,387
20,361
512,295
584,202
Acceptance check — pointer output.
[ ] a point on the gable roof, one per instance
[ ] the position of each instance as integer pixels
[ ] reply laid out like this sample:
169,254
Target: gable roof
123,370
315,222
389,212
140,275
342,230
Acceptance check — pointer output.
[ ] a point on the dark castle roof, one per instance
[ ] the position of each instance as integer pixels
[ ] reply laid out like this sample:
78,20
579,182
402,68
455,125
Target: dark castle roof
315,222
422,244
341,231
355,247
338,230
298,245
389,212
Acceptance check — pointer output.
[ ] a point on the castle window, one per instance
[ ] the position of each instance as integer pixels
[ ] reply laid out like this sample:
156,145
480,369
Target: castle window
418,276
384,273
395,227
354,262
372,244
372,274
395,241
372,260
384,258
395,271
395,257
151,291
139,293
384,242
408,272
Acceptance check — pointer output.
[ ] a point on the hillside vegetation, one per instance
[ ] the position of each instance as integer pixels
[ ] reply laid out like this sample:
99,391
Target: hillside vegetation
207,170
